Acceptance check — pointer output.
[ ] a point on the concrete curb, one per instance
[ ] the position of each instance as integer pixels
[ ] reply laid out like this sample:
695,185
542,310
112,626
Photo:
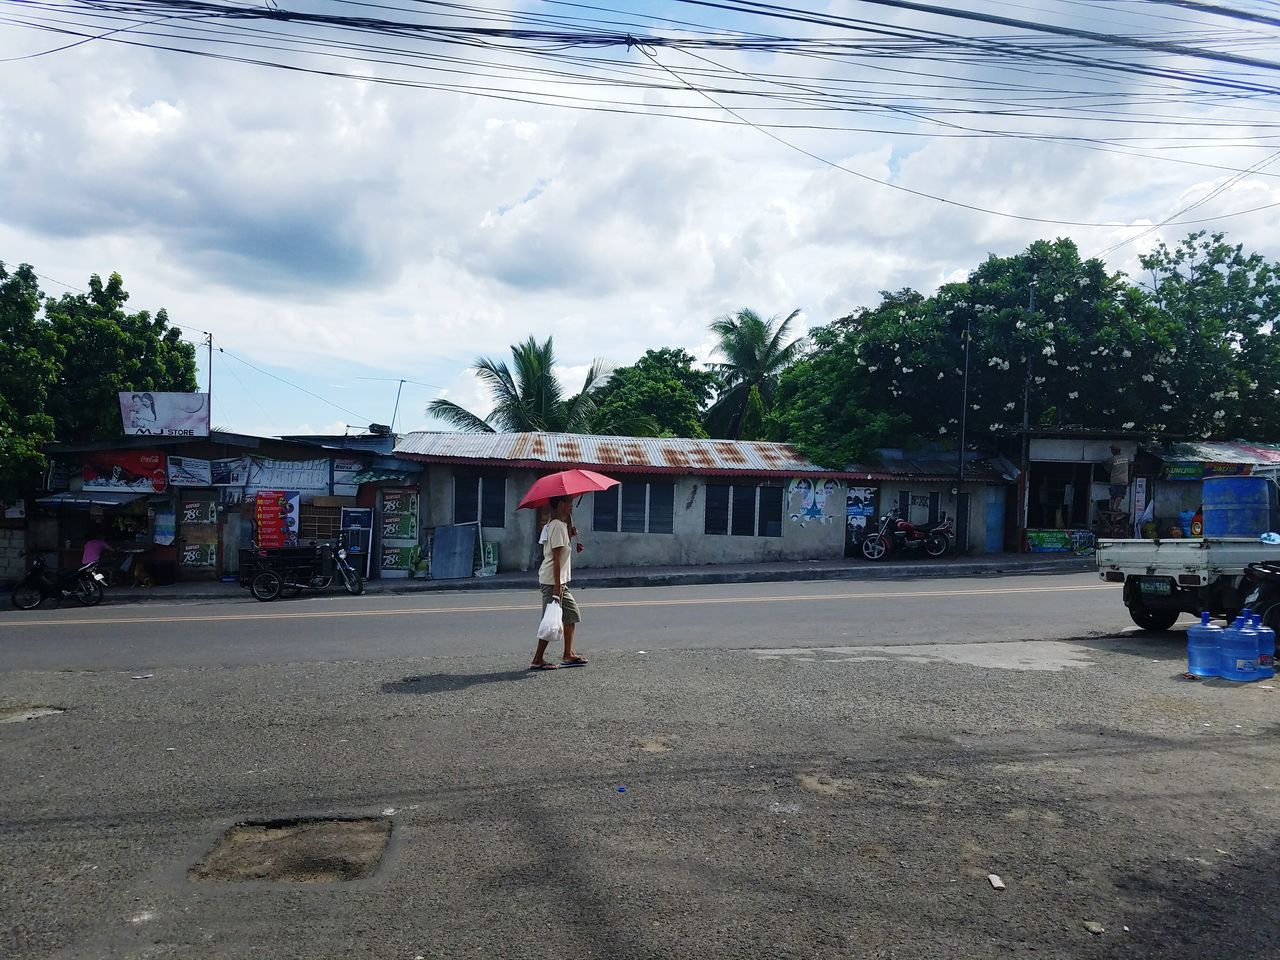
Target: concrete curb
696,577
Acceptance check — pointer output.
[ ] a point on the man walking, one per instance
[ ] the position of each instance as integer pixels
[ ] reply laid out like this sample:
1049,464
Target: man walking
554,577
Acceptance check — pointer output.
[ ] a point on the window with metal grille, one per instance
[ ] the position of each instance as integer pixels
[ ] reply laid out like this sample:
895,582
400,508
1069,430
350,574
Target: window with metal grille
635,506
319,523
743,511
480,496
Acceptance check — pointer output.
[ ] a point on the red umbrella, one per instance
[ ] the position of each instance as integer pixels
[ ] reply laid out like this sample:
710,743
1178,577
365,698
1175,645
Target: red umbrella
566,483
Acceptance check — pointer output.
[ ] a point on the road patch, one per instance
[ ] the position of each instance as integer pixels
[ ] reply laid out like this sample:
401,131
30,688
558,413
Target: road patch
304,850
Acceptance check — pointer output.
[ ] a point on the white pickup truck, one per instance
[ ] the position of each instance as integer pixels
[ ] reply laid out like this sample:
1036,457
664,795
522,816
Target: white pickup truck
1165,578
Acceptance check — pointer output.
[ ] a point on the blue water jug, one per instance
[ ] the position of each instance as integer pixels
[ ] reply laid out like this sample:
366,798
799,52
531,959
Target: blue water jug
1240,652
1204,648
1266,649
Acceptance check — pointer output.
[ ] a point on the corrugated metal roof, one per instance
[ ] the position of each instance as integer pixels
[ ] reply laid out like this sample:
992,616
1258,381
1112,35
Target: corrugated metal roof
1215,451
633,454
660,455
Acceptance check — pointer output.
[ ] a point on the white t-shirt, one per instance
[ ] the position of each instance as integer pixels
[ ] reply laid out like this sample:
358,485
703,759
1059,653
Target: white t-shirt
555,534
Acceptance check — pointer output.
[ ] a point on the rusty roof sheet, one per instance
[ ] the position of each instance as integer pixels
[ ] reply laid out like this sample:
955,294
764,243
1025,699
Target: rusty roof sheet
661,455
1215,451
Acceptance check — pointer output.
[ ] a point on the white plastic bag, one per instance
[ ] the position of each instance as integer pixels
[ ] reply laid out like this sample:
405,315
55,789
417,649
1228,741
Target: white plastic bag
552,626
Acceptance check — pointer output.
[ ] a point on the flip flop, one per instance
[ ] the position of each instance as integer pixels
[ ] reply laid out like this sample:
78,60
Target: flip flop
544,666
575,662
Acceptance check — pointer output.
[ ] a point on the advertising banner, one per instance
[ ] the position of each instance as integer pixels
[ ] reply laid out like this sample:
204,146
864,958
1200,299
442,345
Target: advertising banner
1204,471
400,515
124,471
1056,541
146,414
276,518
164,529
305,476
232,472
189,472
399,528
199,555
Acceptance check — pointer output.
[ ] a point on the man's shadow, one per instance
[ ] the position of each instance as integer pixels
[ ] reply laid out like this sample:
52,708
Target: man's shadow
445,682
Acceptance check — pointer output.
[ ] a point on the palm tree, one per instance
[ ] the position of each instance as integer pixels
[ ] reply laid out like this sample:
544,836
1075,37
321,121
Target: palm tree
756,351
530,398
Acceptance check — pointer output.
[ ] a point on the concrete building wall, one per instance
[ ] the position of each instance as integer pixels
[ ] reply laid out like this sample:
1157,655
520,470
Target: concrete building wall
13,541
813,522
890,490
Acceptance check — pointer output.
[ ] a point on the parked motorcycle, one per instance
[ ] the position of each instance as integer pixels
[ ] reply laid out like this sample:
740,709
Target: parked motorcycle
41,583
896,535
1264,597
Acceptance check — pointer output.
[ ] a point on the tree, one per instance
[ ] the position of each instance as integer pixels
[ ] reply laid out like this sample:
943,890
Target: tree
29,360
1222,361
829,415
663,386
105,351
755,353
530,398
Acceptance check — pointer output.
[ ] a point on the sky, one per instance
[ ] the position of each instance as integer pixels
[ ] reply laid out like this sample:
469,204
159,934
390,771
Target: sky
337,234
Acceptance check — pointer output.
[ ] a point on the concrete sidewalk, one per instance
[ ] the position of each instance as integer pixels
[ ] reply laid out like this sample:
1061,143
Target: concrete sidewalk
990,565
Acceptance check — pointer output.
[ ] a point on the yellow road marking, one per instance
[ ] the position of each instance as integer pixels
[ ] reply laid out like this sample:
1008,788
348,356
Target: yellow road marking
507,608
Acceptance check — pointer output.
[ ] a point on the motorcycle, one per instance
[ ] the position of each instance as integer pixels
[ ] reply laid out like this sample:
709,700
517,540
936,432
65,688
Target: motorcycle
896,535
1264,597
41,583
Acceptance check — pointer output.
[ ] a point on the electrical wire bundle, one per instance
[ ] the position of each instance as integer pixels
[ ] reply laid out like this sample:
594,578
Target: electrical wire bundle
1158,80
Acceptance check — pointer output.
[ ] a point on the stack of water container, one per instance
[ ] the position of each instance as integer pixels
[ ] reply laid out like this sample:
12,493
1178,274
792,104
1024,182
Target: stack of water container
1243,651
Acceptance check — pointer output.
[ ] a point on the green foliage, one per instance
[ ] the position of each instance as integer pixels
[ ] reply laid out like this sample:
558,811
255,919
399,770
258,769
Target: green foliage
29,358
663,387
530,398
1221,359
60,371
755,353
106,351
829,415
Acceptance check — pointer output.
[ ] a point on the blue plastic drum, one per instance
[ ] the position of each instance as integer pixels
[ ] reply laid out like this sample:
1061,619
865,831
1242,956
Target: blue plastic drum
1239,506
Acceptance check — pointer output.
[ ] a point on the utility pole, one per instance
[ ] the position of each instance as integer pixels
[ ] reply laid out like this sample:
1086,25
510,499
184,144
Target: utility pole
1024,491
209,373
964,422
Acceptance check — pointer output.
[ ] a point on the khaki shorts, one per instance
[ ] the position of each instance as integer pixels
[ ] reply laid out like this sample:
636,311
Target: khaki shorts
568,605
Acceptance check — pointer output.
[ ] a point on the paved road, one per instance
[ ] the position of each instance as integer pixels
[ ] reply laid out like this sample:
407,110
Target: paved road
244,632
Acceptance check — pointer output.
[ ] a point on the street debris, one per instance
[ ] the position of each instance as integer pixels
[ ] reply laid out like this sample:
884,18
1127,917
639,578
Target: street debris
622,789
142,676
995,881
389,812
1094,927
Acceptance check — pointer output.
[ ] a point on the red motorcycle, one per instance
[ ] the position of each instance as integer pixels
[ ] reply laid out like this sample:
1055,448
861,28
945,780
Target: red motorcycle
896,535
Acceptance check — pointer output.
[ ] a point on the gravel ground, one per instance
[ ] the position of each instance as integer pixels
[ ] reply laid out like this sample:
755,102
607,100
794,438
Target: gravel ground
744,803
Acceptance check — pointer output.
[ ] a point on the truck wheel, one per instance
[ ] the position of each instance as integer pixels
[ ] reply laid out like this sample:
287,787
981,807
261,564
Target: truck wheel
1157,621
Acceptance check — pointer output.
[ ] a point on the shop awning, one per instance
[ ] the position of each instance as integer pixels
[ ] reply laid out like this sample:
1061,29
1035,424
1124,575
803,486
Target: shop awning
89,498
380,475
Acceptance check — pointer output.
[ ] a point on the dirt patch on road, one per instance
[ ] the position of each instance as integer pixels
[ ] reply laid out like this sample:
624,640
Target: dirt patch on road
297,851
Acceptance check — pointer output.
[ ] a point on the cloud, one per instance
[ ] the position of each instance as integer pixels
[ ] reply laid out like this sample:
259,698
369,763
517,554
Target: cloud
317,223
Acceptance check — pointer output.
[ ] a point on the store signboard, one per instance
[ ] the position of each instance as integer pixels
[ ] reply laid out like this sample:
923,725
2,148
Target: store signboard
1205,471
122,471
276,518
189,472
149,414
305,476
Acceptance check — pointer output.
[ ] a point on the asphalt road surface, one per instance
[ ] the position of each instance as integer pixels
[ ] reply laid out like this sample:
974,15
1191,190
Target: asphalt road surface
785,771
380,627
